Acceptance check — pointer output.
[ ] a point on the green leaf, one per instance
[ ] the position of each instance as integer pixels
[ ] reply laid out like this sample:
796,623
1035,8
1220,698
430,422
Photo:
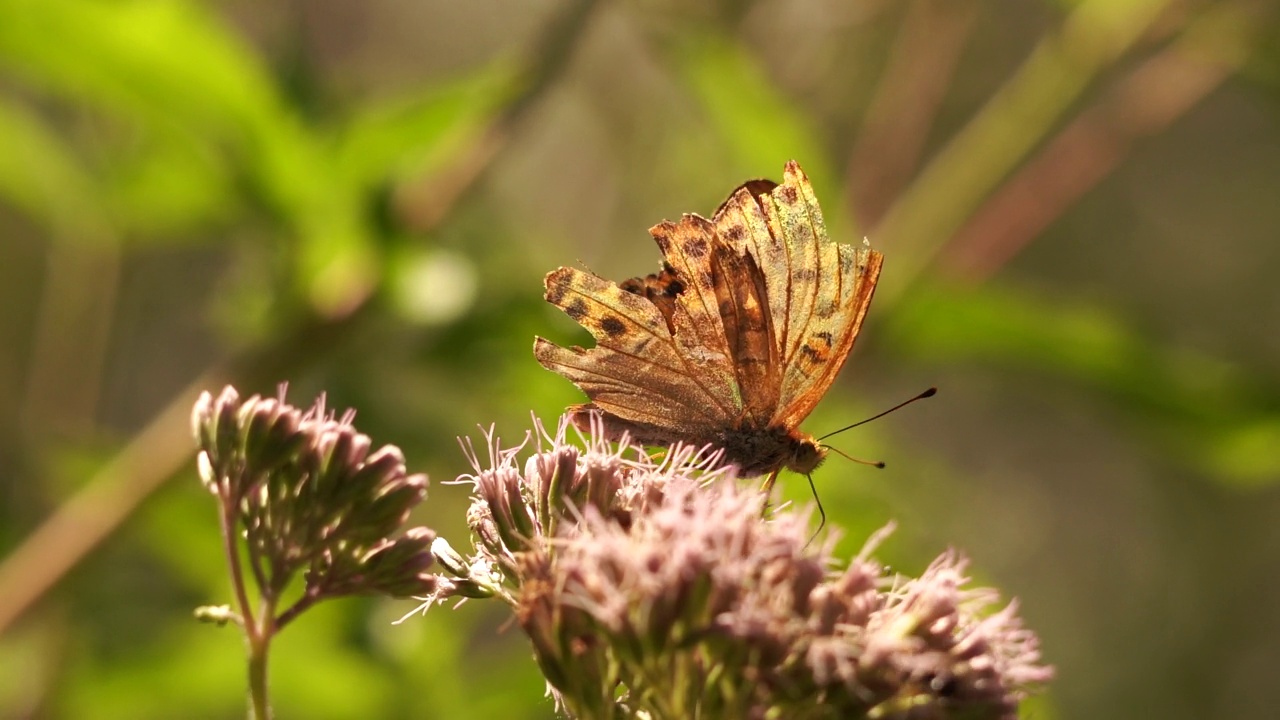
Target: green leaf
760,125
414,135
172,67
1245,454
1016,120
166,62
1215,413
163,187
41,175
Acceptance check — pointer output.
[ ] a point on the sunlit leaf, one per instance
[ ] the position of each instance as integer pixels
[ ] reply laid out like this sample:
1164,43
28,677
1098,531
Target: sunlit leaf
1209,410
1014,121
40,174
168,186
761,127
415,134
169,62
1246,454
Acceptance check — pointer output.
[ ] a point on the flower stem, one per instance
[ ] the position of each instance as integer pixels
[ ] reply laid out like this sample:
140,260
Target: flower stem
227,519
295,610
259,650
258,630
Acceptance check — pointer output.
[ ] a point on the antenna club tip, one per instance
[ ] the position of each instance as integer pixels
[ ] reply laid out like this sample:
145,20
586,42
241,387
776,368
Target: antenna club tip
880,465
929,393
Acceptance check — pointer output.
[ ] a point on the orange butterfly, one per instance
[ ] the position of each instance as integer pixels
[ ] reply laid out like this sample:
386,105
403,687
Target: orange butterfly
734,341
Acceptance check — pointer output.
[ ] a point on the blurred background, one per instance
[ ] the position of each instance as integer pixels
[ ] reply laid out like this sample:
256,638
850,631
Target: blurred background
1076,202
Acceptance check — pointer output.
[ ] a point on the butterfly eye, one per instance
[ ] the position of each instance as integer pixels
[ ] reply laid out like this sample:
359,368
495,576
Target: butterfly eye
806,457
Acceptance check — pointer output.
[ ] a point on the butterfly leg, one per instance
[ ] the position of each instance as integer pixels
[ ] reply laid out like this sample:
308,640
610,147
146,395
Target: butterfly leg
767,491
768,494
822,514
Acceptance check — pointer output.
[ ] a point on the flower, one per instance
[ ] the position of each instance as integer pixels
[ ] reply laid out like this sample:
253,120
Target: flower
659,588
312,496
515,509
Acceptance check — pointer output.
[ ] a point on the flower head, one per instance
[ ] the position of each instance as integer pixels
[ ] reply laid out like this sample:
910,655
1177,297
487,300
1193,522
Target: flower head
515,507
313,496
659,588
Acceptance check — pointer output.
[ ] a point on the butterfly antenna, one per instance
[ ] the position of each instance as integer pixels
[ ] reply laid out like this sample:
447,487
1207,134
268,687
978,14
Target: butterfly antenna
873,463
926,394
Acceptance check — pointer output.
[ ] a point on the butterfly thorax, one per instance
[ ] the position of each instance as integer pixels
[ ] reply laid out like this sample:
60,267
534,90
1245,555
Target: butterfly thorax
757,451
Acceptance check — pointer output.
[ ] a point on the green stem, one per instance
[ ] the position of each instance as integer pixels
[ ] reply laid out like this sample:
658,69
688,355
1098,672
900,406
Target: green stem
259,650
1010,126
227,520
295,610
258,628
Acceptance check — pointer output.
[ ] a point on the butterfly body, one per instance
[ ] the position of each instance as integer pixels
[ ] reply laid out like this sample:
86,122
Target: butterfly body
733,342
755,450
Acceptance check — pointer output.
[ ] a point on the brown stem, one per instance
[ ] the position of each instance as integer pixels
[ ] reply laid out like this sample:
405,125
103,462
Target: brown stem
293,611
78,525
1141,104
422,204
906,103
1009,127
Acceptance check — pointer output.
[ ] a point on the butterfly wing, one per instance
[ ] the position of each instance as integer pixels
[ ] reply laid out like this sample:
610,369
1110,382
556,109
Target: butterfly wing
662,372
743,302
818,290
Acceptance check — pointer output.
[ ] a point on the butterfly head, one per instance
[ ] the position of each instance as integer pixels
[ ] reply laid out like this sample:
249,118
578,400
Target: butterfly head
806,455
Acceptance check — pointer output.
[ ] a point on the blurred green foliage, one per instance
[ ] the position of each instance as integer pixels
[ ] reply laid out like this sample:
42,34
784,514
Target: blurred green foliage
363,199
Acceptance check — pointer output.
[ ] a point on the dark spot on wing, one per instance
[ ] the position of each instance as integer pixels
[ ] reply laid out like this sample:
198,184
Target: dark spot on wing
696,248
612,326
735,233
674,288
813,354
555,293
576,309
787,193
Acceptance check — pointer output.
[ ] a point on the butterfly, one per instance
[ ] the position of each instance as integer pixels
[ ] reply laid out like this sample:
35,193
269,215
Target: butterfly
736,338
